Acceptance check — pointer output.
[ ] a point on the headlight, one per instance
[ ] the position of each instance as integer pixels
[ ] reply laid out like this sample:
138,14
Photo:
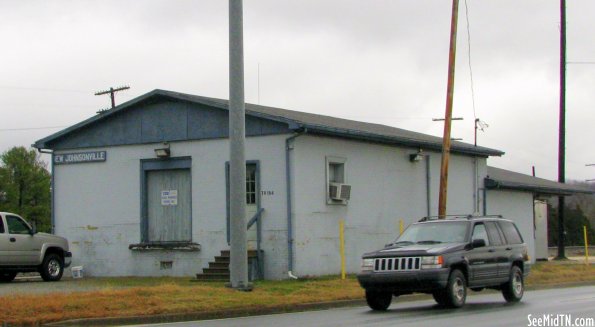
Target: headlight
367,264
432,262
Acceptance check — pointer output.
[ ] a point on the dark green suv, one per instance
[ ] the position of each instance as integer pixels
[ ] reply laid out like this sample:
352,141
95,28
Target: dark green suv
444,257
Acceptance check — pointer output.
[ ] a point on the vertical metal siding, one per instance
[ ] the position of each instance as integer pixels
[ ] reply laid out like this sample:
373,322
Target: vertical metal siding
168,223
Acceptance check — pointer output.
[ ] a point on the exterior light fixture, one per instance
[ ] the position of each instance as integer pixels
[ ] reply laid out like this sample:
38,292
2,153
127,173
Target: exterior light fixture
163,152
415,157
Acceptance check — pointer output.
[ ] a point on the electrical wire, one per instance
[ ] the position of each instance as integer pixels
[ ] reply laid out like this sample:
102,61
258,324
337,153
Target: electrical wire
29,128
469,61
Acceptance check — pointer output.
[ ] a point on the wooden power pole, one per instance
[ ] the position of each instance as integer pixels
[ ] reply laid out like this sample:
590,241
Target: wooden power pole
448,116
562,130
112,92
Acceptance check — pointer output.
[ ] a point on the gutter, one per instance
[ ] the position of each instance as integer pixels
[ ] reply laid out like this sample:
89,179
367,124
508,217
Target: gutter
493,184
288,148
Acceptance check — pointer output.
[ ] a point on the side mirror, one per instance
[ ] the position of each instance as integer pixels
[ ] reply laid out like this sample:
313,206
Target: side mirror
478,243
33,230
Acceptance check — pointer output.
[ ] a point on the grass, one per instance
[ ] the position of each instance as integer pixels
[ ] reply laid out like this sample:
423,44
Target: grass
548,273
119,297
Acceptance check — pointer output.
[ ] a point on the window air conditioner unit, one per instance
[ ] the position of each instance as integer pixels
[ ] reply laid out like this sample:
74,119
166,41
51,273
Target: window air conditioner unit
339,191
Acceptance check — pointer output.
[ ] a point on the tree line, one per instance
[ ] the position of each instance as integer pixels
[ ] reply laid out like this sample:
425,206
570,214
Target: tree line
25,186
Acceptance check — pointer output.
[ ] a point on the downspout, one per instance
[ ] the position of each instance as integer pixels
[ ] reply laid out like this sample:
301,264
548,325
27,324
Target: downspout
428,185
289,205
476,186
53,191
485,200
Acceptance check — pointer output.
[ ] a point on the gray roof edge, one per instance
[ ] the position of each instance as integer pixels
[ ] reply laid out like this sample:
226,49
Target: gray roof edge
538,186
42,143
292,124
402,140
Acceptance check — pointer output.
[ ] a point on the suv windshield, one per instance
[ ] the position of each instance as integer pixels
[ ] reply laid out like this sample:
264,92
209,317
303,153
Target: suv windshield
432,233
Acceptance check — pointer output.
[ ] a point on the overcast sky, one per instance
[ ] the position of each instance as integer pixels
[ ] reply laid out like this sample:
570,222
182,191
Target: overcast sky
381,61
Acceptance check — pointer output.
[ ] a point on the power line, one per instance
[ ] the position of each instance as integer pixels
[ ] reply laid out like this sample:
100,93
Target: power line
469,61
29,128
10,87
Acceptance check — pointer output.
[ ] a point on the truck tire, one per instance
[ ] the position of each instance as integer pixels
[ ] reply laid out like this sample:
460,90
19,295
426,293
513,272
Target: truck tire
514,289
52,268
378,301
456,289
440,297
6,277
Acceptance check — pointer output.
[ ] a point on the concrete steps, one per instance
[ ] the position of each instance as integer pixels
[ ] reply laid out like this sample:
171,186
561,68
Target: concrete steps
218,270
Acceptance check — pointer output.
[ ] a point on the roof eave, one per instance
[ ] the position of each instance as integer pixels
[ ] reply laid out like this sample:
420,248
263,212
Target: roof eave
493,184
317,129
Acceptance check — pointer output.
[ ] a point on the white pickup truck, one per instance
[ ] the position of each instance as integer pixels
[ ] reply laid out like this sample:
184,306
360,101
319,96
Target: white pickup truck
23,249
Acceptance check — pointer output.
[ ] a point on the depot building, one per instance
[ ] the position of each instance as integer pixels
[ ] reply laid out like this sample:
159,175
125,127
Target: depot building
143,189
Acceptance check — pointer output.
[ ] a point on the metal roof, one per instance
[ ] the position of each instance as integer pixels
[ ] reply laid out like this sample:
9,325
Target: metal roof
505,179
296,120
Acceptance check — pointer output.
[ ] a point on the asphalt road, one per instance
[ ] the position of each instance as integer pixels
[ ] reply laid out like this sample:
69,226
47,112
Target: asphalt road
480,310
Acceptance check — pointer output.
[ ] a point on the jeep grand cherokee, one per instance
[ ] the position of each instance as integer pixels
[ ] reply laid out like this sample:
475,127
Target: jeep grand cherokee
444,257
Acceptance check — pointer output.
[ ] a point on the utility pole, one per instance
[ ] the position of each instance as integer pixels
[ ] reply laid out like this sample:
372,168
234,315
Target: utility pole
238,265
448,115
562,130
112,91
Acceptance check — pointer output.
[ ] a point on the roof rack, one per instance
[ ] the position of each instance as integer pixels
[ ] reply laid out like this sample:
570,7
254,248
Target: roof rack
468,217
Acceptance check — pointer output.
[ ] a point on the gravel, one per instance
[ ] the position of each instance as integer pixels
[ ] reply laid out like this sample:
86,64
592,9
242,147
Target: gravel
33,284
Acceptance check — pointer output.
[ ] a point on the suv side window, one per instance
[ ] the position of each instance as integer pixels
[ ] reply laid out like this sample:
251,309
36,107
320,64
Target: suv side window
493,233
511,233
479,232
16,225
1,226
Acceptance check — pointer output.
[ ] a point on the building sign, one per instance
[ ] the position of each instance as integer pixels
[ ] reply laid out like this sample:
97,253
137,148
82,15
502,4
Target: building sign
80,157
169,198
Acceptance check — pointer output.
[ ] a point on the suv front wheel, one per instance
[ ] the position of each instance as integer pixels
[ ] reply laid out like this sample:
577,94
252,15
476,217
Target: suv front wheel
379,301
456,291
52,267
515,287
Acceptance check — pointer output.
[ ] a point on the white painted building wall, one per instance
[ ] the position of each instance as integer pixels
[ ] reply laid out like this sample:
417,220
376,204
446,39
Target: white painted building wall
386,187
518,207
98,208
98,205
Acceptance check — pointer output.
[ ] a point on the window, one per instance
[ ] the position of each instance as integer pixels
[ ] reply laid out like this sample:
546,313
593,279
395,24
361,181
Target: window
479,233
511,233
335,173
1,226
493,233
16,225
451,232
250,184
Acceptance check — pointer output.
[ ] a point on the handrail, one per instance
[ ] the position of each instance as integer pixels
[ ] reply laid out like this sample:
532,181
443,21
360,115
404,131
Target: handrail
252,221
255,218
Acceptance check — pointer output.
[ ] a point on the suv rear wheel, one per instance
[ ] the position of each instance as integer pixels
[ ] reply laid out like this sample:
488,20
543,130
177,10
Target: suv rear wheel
6,277
52,267
379,301
515,287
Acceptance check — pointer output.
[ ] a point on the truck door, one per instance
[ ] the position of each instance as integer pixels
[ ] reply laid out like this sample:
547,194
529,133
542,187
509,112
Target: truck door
22,246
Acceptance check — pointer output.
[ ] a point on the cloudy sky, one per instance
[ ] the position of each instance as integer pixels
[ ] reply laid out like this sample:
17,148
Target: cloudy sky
381,61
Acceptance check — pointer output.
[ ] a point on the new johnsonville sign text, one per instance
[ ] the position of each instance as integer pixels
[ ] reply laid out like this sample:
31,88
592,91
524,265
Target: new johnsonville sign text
80,157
